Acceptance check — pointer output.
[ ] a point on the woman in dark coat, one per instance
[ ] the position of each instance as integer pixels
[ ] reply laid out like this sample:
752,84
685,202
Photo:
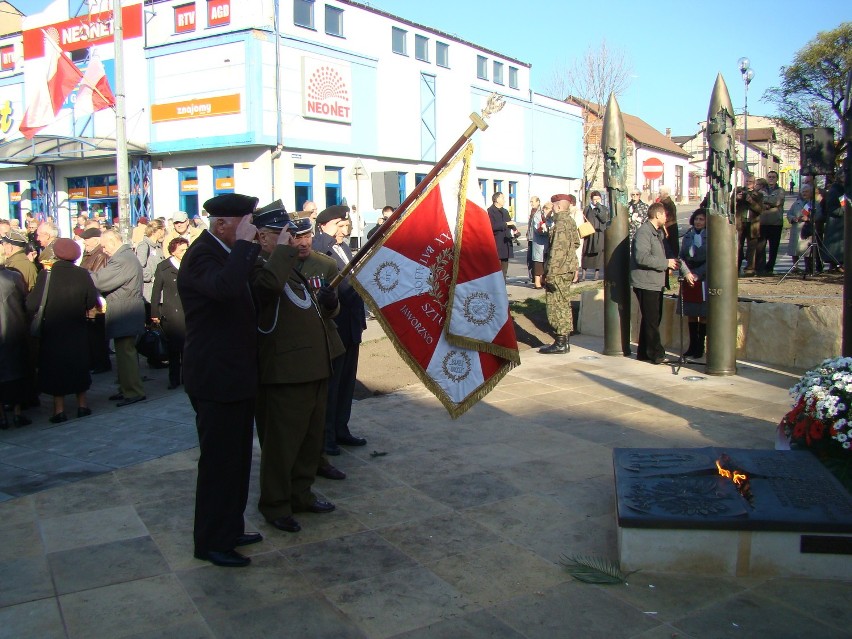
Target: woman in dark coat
593,245
13,346
63,358
166,307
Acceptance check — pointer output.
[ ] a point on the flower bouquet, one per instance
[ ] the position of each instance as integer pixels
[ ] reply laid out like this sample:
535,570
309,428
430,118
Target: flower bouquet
820,418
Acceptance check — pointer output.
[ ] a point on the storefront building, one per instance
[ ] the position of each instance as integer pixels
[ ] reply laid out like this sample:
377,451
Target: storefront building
294,99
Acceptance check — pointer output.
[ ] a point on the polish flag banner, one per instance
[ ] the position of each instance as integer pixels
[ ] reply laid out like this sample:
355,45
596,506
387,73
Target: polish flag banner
409,281
94,93
60,80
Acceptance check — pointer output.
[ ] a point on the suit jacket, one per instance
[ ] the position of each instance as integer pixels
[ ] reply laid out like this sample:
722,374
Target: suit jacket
502,236
351,321
220,352
166,305
120,281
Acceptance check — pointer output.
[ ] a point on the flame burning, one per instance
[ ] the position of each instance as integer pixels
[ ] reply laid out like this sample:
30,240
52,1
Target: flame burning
739,478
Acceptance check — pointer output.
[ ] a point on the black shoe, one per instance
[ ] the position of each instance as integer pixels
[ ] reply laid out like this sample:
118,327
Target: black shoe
230,559
332,449
246,539
131,400
330,472
351,440
320,507
559,347
84,411
21,420
287,524
116,397
58,418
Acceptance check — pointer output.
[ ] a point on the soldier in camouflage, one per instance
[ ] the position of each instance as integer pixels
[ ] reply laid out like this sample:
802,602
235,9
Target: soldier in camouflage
560,270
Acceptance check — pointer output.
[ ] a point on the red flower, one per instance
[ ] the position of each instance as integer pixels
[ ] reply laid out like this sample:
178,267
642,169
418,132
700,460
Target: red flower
815,430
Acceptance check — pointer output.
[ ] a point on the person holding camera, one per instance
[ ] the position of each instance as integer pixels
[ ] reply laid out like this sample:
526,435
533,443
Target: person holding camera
748,205
771,223
593,245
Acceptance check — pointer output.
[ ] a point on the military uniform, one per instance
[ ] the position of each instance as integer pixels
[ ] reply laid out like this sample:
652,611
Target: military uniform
296,343
560,269
18,261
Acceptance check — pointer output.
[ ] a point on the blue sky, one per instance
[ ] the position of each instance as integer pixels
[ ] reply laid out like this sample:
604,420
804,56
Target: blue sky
674,64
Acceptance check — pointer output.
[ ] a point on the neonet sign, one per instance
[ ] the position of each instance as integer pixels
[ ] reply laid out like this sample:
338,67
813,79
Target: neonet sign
85,31
326,93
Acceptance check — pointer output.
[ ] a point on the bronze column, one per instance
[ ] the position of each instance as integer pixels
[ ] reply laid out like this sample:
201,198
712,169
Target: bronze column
721,236
616,236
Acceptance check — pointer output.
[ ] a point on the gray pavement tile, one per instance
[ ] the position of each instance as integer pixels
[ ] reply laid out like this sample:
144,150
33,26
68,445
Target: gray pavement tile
473,625
395,602
391,506
546,475
346,559
827,601
466,491
412,466
24,579
573,609
168,514
20,539
5,496
315,528
127,608
496,573
196,629
270,580
747,616
434,538
43,462
592,497
32,620
493,456
119,457
18,511
157,487
308,616
176,547
97,493
89,528
104,564
360,479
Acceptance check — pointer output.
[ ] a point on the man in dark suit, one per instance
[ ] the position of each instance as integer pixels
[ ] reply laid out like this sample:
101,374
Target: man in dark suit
220,373
351,323
503,227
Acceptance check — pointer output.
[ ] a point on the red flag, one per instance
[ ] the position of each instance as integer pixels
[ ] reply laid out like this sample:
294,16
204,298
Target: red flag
410,281
94,93
61,78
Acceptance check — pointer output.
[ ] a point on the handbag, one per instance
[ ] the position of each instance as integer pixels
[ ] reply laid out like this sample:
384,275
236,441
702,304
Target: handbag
153,344
586,229
38,319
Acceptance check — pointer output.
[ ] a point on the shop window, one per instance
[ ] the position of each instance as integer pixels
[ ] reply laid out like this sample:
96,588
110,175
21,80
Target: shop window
14,191
513,78
304,184
442,54
333,193
188,191
303,13
223,179
399,39
402,189
333,21
498,73
421,48
481,67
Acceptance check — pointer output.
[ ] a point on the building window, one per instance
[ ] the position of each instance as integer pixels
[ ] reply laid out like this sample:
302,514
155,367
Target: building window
498,186
483,187
513,199
513,77
418,178
223,179
304,185
481,67
188,191
421,48
333,21
428,118
303,13
401,181
14,191
498,72
399,38
442,54
333,194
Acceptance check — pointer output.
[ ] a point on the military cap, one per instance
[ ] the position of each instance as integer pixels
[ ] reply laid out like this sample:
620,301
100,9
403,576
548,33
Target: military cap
90,233
230,205
300,223
66,249
338,212
560,196
15,238
271,216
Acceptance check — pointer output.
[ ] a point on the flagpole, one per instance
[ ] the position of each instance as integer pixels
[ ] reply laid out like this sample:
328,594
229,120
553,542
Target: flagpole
121,163
478,122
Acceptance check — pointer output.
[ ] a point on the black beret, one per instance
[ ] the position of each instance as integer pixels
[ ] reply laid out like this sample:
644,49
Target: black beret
230,205
90,233
15,238
271,216
338,212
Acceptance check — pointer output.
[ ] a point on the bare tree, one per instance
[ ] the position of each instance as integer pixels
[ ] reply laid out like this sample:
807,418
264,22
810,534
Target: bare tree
601,70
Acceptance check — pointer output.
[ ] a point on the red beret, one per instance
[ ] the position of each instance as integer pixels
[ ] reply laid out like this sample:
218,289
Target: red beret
66,249
560,196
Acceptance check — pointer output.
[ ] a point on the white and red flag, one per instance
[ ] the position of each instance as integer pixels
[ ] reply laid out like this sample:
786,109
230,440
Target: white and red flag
61,78
94,93
434,282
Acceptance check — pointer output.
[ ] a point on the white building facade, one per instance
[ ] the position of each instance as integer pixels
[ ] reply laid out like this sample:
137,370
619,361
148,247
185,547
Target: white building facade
292,99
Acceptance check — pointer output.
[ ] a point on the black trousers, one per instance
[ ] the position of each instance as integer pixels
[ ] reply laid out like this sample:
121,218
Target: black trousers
98,343
650,312
224,468
771,235
341,388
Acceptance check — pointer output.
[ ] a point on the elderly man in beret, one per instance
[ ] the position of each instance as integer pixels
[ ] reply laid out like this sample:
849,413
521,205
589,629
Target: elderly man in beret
220,373
561,269
296,347
14,250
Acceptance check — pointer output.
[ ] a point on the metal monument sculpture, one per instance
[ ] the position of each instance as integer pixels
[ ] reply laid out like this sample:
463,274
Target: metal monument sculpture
616,237
721,236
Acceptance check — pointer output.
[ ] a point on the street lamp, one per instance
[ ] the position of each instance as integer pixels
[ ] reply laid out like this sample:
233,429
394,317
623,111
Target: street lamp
748,75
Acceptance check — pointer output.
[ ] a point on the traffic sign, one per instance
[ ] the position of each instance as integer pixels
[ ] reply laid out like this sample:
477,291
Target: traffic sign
359,171
652,168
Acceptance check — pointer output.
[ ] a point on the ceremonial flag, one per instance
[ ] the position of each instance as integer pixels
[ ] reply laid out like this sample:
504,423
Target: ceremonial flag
94,93
430,281
61,78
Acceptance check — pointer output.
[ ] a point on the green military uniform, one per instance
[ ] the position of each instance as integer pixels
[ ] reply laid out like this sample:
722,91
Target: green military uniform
560,268
18,261
295,349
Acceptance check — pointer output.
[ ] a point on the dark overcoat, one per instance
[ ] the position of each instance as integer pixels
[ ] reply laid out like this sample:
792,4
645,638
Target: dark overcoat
13,325
500,219
352,319
166,305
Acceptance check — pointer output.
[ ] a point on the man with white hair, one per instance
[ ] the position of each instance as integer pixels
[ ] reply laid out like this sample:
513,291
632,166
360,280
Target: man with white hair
46,235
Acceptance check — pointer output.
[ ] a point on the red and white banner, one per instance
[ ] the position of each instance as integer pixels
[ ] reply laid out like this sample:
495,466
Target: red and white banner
435,284
60,80
94,93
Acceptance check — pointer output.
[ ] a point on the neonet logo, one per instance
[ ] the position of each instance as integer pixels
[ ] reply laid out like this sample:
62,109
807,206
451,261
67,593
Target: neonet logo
327,94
